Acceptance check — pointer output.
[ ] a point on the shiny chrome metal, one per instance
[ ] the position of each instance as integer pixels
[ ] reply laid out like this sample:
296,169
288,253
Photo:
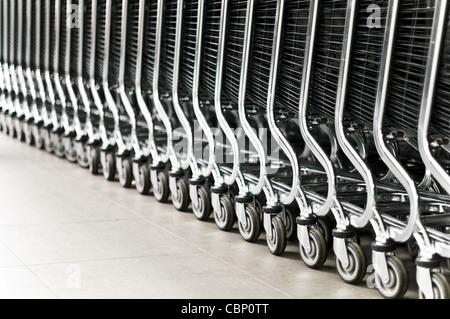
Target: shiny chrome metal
2,76
285,198
47,67
187,162
254,140
34,112
344,143
6,59
156,94
399,235
231,138
67,78
12,67
92,81
63,121
204,170
110,103
139,96
310,141
437,42
80,80
122,90
20,58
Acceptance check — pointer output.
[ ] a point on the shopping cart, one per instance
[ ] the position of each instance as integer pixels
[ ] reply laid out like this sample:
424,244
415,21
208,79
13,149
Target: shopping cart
227,97
126,43
33,73
79,98
410,74
15,115
166,170
24,70
107,61
146,39
93,46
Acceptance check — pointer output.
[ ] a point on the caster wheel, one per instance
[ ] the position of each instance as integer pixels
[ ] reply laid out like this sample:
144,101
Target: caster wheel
180,200
203,208
357,264
94,159
441,288
58,146
276,240
82,157
70,152
251,231
109,171
325,229
317,255
225,218
126,173
291,225
161,190
143,182
398,279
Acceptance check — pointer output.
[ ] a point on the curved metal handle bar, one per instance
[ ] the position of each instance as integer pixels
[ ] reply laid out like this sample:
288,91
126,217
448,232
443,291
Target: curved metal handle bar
68,80
12,66
176,99
345,144
80,80
285,199
2,74
91,73
205,171
427,97
68,38
156,97
20,66
92,82
255,189
122,90
40,86
29,77
304,95
5,65
140,99
57,79
229,180
47,77
400,173
105,84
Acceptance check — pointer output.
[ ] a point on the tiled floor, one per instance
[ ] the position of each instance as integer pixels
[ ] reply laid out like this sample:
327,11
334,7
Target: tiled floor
67,234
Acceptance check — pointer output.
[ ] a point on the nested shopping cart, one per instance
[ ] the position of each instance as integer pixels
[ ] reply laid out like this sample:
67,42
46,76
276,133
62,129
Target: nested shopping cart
170,103
24,70
13,48
401,122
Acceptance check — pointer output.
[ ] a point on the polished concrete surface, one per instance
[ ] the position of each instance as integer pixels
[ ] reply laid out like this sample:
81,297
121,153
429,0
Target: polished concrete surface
67,234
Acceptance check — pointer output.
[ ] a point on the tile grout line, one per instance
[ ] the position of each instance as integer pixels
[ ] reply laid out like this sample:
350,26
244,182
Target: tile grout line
208,253
34,274
165,230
